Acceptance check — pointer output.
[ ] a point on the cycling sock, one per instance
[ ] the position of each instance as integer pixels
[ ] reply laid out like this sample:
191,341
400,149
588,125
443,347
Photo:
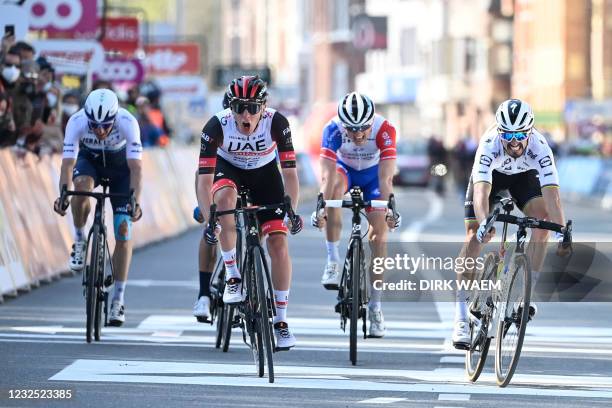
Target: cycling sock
375,296
79,234
119,291
281,299
374,304
229,259
332,251
204,284
460,305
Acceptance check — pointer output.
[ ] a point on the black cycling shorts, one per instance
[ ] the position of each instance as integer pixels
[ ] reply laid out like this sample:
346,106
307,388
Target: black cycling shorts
265,186
523,187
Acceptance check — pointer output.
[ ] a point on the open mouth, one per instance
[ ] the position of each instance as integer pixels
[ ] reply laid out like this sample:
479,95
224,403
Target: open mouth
246,125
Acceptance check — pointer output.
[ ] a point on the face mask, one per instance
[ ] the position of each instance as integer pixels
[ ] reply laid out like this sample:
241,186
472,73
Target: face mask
11,74
70,108
47,87
51,99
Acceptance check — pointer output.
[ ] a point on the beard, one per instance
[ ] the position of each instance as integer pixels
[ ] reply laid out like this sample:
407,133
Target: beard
515,151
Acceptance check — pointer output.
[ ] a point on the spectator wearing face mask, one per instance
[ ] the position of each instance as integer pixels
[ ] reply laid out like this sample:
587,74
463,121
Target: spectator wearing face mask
7,124
70,106
11,64
26,51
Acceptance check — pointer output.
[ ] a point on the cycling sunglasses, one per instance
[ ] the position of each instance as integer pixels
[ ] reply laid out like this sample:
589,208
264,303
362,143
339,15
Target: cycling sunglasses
102,125
356,129
519,136
252,107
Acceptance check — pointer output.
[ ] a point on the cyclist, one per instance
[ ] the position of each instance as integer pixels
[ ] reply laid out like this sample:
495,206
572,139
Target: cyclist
514,156
103,140
238,148
358,149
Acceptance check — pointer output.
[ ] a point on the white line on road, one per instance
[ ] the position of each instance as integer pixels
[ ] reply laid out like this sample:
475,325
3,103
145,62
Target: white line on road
381,400
454,397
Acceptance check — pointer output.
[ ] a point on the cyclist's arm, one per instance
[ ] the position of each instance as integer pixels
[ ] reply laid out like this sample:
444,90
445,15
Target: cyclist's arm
212,137
128,125
552,198
385,140
70,150
544,161
328,178
281,134
66,172
330,143
135,166
482,190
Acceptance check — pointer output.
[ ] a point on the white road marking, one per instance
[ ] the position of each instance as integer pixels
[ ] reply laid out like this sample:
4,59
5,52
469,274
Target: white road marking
454,397
381,400
166,372
434,212
452,360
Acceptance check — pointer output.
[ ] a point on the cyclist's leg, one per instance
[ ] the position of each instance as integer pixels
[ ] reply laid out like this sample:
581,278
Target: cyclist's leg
84,178
528,195
207,257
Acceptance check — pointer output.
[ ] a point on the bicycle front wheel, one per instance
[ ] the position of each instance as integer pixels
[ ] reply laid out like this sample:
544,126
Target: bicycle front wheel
99,283
355,301
265,314
513,316
481,308
92,277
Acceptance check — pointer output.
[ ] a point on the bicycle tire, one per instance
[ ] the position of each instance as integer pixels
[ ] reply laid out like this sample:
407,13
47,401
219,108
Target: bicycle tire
218,311
228,311
220,316
476,355
505,365
264,313
92,276
355,304
251,320
99,285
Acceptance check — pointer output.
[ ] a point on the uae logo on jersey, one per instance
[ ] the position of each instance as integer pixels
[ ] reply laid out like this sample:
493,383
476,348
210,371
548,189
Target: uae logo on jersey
258,146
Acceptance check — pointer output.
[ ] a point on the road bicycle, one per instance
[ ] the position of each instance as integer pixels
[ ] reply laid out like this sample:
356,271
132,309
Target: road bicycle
255,315
503,311
352,292
97,277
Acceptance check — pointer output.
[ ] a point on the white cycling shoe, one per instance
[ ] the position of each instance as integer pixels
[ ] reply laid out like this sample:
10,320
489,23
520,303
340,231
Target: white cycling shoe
331,276
117,314
233,292
377,323
77,256
201,309
461,335
284,338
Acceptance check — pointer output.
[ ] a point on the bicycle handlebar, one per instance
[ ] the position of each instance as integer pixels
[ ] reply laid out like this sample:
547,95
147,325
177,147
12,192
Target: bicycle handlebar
530,222
389,204
65,193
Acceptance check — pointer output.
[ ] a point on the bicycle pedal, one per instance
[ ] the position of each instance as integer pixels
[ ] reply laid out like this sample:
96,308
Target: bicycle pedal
203,319
331,286
281,349
108,281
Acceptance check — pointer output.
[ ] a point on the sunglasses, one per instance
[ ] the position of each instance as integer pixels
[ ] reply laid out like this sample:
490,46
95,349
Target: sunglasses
252,108
103,125
355,129
519,136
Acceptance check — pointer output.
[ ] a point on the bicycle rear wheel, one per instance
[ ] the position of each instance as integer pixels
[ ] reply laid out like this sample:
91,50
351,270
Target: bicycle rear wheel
512,319
228,324
99,283
355,303
265,316
481,307
92,277
218,309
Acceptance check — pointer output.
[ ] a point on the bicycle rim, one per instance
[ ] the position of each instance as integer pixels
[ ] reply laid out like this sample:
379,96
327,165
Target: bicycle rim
476,355
219,309
220,327
92,271
99,295
228,311
264,314
512,321
356,257
251,314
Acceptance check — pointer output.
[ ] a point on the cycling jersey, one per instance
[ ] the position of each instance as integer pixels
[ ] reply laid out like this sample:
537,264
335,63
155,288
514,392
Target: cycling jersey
124,136
221,137
492,156
336,145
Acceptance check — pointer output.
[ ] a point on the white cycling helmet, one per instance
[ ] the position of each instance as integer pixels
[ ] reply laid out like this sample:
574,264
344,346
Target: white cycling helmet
101,106
356,111
514,115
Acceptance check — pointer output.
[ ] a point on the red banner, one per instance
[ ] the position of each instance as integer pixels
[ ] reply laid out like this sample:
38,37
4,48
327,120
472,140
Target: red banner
120,34
172,59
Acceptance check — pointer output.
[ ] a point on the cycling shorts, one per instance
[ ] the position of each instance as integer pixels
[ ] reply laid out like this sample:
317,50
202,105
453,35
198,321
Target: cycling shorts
366,179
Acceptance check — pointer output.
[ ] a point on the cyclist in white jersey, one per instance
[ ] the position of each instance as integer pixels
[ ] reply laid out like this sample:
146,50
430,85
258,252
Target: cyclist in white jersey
103,141
514,156
357,149
239,148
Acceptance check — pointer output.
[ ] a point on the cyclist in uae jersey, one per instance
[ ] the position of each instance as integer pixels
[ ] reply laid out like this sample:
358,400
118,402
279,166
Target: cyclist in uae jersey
238,148
514,156
103,141
357,149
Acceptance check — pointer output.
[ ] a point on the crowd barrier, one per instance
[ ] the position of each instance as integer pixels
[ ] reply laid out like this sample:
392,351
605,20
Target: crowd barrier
35,241
587,177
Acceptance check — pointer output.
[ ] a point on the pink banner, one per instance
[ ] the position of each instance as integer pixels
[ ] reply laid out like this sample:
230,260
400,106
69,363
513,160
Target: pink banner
64,18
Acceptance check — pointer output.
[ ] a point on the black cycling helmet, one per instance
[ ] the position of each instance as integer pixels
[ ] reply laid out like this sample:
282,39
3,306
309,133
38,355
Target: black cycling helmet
248,88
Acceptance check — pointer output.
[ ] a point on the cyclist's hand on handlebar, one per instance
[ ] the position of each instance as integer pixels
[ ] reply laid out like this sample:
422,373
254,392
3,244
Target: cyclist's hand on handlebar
318,220
135,212
295,224
60,207
563,248
394,220
480,234
210,235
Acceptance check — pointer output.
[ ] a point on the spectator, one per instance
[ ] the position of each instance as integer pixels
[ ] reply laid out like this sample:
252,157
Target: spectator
102,84
26,51
463,158
437,156
149,133
70,106
156,115
11,70
133,94
7,124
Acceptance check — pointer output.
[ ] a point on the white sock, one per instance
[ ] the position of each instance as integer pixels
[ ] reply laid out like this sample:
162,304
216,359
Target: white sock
119,291
79,234
375,298
332,251
281,299
229,258
460,305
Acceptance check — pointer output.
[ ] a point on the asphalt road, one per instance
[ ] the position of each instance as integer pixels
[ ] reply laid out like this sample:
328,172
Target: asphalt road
163,358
